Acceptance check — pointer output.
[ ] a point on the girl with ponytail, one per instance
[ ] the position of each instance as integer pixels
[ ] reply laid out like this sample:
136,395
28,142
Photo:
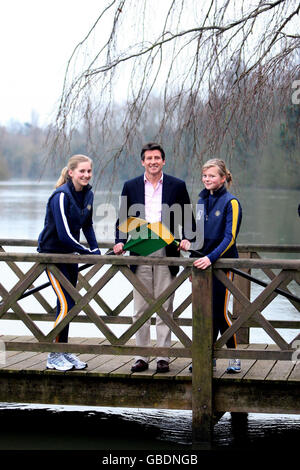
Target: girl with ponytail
69,210
222,220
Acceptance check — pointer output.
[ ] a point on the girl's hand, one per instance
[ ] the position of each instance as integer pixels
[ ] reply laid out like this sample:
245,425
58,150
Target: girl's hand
202,263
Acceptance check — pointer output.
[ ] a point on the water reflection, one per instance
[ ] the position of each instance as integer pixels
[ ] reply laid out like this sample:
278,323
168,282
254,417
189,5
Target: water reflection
269,217
67,428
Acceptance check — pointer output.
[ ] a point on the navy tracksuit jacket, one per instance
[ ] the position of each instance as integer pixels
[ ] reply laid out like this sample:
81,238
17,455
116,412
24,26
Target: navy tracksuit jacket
222,220
68,211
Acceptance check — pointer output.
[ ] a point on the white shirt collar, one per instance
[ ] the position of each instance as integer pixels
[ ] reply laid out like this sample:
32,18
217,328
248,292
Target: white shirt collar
160,180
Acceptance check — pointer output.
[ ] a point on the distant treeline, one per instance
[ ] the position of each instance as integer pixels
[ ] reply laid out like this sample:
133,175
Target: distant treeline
270,163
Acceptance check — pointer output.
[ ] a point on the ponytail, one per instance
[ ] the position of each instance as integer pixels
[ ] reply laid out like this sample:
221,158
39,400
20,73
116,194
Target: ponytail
229,179
64,176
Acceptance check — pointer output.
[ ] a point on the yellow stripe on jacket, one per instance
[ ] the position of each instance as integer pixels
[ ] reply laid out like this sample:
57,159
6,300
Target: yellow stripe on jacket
235,216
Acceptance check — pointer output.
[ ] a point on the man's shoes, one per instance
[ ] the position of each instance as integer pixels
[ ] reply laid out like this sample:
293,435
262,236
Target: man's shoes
139,366
162,366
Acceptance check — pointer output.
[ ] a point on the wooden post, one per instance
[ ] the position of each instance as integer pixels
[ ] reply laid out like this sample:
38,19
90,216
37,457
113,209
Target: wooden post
244,285
202,351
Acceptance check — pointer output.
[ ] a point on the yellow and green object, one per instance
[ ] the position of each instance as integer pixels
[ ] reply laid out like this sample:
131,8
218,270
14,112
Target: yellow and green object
145,237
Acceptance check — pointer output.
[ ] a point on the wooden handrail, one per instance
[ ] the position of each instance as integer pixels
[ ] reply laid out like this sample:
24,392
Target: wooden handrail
202,383
243,247
289,269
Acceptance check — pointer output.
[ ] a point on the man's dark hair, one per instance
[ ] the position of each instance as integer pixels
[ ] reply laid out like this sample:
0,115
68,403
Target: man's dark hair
152,146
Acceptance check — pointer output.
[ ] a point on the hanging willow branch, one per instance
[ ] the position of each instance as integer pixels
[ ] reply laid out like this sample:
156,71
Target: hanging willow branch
196,74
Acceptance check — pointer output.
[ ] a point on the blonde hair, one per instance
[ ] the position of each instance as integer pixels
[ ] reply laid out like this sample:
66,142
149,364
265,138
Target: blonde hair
72,164
223,171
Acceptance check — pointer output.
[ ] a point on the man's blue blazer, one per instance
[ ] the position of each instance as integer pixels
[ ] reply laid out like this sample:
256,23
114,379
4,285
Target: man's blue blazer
179,220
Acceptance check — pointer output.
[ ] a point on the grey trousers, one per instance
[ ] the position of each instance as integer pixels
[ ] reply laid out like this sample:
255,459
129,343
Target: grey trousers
156,279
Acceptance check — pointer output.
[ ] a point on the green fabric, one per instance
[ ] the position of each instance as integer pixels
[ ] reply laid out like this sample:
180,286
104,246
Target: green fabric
144,242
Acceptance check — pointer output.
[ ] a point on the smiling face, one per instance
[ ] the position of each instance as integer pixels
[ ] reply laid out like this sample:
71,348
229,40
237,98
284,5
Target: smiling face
153,163
81,175
212,179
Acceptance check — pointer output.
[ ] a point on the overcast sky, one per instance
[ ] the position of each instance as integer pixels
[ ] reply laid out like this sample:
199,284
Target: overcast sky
37,38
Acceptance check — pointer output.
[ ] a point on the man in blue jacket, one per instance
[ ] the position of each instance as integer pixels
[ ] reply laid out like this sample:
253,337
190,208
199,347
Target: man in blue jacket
156,197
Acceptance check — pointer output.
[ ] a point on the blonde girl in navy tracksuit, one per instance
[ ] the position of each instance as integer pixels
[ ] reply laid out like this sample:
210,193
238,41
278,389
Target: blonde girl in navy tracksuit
222,219
69,210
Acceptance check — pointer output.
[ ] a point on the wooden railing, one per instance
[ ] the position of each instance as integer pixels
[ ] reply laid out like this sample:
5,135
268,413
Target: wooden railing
101,316
251,312
198,346
266,266
245,314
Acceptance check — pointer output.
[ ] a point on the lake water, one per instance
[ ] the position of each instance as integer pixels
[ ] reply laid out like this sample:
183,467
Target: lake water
269,217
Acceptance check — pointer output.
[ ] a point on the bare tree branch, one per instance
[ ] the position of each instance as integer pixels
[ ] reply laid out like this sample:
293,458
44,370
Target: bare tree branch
214,69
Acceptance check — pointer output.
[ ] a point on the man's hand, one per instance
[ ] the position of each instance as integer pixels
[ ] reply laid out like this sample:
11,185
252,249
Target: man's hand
184,245
118,249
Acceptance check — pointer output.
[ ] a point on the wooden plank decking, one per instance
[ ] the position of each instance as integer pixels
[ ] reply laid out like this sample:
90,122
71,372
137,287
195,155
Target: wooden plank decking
269,381
262,386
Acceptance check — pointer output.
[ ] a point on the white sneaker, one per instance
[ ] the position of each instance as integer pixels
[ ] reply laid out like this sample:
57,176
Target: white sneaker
75,361
59,362
234,366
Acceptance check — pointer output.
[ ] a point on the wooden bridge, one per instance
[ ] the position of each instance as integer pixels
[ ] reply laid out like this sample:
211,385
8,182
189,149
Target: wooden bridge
270,377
